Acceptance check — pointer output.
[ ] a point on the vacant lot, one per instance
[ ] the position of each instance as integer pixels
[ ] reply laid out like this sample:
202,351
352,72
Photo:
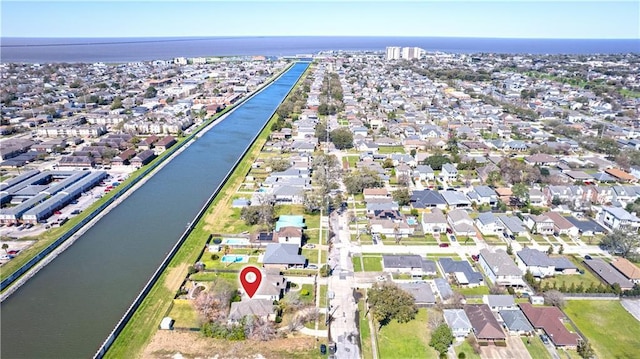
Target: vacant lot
408,340
612,331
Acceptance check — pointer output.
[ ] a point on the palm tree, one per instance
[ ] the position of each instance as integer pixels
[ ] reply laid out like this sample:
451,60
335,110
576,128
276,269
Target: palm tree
5,246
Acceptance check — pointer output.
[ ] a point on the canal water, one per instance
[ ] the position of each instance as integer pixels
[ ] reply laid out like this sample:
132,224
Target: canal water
71,305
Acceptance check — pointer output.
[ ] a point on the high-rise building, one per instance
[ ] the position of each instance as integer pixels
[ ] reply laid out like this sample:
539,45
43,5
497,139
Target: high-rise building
393,53
409,53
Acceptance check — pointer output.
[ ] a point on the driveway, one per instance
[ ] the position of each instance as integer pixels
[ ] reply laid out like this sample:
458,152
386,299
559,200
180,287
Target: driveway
515,349
632,306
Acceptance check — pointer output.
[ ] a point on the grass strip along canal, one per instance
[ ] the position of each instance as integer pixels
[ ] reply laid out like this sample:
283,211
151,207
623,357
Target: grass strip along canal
70,307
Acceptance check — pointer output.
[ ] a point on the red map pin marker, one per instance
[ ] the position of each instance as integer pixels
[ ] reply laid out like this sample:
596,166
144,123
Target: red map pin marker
250,278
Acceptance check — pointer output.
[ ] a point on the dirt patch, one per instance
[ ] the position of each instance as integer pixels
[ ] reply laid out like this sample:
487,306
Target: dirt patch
515,349
175,276
166,344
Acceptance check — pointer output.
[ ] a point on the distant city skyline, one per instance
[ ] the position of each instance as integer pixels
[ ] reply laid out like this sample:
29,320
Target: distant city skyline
492,19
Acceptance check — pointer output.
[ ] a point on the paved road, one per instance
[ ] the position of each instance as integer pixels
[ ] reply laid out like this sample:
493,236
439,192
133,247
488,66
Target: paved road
343,306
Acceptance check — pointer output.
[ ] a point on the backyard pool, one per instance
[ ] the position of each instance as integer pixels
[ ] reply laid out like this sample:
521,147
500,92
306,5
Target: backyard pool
235,241
235,258
411,221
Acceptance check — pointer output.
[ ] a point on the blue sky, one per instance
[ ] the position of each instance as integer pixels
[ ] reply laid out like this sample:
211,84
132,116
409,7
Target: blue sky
447,18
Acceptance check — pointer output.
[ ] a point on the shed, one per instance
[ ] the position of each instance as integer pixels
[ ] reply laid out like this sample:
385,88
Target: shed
166,323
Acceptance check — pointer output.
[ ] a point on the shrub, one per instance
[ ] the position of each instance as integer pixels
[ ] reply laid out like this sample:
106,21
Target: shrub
304,292
462,356
278,319
215,257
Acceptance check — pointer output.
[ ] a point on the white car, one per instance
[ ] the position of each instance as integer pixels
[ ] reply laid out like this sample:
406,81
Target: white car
381,278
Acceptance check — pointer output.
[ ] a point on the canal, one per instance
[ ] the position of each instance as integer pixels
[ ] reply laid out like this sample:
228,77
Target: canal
71,305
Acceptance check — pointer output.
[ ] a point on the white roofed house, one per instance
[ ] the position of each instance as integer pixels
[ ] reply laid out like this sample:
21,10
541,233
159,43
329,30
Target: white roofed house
489,224
458,321
449,172
483,195
424,172
455,199
539,224
434,222
499,301
461,223
537,198
541,265
499,267
619,218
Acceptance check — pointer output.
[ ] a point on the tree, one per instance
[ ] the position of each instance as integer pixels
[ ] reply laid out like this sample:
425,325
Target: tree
360,179
554,297
550,250
117,103
436,161
5,246
325,270
441,339
342,138
520,191
401,196
621,242
510,249
151,92
387,302
212,305
561,249
584,350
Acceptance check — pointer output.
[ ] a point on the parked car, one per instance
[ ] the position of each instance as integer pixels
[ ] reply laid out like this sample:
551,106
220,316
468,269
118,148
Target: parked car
312,266
452,238
544,338
444,245
587,257
323,349
381,278
475,257
449,231
57,212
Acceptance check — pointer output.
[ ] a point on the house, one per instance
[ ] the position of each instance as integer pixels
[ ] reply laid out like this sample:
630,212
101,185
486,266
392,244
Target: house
537,198
427,199
516,322
455,199
421,292
488,224
587,226
499,302
165,143
628,269
461,271
424,172
409,264
443,287
512,225
539,224
561,225
283,256
289,234
499,267
434,222
484,195
484,323
608,274
287,194
541,265
458,321
259,308
619,175
551,321
449,172
541,159
461,223
143,158
370,193
619,218
272,287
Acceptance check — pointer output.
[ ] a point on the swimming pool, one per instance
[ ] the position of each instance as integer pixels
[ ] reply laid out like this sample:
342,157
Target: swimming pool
235,241
235,258
411,221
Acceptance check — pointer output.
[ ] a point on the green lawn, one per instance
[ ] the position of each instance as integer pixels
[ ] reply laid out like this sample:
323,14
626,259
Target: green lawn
365,332
184,314
536,348
310,297
357,267
372,264
467,291
611,330
586,279
466,348
408,340
383,150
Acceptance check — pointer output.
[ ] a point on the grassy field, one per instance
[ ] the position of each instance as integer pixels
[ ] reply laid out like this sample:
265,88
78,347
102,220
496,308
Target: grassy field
372,264
466,348
468,291
408,340
536,348
144,323
384,150
184,314
365,332
611,330
586,279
